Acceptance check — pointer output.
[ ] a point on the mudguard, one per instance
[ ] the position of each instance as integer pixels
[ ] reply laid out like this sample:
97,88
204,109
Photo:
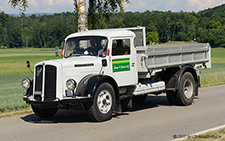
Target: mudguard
89,84
187,69
174,82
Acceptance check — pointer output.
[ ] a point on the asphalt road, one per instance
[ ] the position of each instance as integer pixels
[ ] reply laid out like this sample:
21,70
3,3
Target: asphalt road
153,120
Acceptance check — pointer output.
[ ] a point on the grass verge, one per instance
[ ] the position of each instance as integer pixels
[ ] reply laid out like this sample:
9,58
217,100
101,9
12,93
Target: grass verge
218,135
16,112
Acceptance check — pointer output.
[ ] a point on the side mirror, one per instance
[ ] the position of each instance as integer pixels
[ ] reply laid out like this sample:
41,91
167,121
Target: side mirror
104,62
28,64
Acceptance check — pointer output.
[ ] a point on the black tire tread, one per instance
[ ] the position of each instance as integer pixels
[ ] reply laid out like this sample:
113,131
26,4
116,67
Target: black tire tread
94,112
181,99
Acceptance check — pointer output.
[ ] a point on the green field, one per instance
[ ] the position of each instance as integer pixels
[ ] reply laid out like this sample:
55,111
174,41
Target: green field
215,75
13,70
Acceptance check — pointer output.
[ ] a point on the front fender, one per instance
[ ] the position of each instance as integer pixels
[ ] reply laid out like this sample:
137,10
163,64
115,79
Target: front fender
89,84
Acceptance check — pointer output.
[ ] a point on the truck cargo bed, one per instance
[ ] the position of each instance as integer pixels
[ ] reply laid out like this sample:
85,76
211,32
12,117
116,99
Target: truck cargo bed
164,56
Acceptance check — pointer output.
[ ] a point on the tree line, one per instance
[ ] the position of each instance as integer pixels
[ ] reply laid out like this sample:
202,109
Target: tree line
38,31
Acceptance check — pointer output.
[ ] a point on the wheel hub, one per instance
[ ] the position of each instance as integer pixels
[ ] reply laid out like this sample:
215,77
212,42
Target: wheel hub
188,89
104,101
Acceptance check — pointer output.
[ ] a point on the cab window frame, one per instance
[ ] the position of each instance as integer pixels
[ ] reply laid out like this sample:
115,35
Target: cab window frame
121,46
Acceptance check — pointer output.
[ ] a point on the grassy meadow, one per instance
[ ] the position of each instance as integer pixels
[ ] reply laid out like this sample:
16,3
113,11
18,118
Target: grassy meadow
13,69
215,75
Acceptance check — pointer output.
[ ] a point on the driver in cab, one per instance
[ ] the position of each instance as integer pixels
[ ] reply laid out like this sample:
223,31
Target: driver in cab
93,49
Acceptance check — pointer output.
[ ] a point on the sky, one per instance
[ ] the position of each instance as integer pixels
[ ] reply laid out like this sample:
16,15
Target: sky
58,6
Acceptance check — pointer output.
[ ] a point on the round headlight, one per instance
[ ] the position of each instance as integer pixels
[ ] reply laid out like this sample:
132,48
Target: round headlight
25,83
71,84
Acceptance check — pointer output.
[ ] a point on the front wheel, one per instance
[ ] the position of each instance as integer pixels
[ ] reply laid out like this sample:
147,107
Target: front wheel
44,112
103,103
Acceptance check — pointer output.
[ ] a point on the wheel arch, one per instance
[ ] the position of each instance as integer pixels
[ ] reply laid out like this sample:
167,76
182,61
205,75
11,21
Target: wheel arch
192,71
90,83
174,81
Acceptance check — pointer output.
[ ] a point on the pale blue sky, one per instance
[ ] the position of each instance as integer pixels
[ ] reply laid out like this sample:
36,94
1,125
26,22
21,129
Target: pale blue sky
57,6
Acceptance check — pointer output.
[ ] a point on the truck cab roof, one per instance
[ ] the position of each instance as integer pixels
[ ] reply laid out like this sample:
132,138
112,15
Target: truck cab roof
109,33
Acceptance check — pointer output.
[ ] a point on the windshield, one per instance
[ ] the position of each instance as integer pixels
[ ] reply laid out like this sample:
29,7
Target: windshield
89,45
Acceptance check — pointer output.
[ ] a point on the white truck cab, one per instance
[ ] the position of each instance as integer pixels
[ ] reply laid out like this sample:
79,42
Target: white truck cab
101,68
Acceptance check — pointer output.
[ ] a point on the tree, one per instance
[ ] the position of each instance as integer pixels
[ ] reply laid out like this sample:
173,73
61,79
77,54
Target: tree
98,10
14,37
21,3
152,37
82,15
216,37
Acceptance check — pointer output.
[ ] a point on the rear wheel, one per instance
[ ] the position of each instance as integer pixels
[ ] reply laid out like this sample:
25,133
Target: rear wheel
44,112
103,103
185,93
187,90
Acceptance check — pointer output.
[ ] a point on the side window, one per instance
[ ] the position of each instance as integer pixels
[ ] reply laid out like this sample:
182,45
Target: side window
121,47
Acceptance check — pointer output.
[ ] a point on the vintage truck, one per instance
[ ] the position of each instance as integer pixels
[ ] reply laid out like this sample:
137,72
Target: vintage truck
104,69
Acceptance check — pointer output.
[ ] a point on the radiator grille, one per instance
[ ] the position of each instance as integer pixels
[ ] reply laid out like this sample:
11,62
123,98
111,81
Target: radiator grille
38,78
49,80
50,83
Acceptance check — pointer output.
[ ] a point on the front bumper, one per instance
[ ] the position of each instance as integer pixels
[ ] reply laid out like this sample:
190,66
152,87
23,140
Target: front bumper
69,103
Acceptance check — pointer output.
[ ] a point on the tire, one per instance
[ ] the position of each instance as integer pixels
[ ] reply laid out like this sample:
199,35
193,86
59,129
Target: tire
187,90
103,103
139,98
171,97
44,112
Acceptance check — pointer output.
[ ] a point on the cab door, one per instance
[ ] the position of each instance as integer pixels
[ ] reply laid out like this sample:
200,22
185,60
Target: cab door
123,61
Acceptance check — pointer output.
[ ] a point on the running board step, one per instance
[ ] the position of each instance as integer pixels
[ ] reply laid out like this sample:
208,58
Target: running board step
148,88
